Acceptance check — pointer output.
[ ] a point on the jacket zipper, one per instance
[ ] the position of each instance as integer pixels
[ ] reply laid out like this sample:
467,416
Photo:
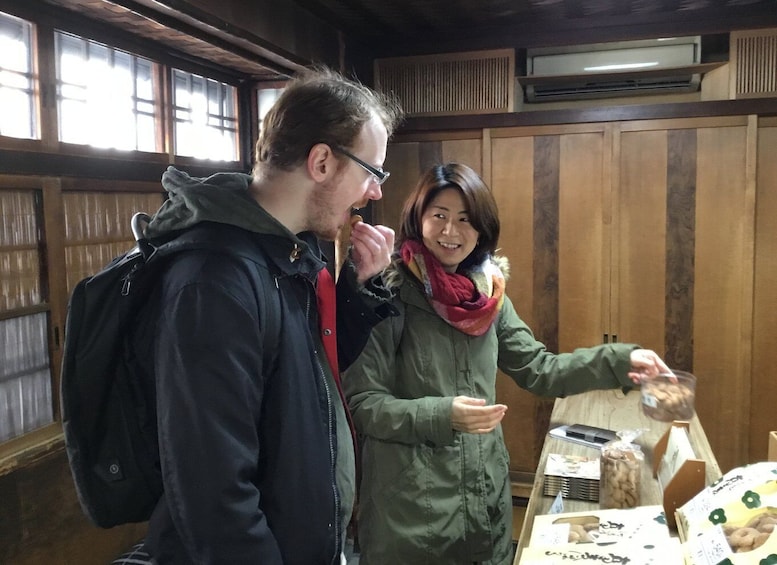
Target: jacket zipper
332,454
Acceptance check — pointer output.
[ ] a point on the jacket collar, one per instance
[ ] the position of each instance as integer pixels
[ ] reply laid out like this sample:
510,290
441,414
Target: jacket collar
299,256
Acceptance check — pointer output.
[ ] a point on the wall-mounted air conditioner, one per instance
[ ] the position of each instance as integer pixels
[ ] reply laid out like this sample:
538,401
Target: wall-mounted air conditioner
613,69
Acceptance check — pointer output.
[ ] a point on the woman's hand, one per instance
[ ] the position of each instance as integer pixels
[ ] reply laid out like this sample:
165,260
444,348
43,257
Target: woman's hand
646,363
472,416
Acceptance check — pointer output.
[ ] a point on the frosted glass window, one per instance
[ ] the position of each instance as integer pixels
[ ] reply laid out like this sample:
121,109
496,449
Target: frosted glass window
205,115
17,79
25,376
105,96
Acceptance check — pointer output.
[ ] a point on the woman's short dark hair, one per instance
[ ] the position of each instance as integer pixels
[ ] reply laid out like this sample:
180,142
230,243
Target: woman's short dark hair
481,207
318,106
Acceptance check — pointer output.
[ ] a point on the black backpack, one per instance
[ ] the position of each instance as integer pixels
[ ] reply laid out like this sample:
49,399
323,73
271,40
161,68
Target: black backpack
110,435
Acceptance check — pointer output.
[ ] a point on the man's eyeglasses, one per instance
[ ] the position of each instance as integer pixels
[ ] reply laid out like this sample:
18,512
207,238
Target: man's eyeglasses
379,175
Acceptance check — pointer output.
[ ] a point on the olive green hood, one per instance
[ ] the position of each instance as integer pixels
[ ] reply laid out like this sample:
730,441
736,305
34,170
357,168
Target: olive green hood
223,198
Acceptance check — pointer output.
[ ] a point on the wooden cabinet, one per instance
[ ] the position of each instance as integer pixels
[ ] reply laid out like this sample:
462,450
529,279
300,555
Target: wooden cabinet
552,190
762,384
684,260
641,232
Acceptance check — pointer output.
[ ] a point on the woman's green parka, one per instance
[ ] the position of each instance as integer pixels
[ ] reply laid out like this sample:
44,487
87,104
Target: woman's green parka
430,494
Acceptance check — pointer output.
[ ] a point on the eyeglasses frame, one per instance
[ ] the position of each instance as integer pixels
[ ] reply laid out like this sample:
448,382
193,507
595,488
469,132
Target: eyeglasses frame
379,174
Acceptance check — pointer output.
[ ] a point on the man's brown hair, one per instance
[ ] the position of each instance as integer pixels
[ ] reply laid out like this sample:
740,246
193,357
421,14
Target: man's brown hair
319,106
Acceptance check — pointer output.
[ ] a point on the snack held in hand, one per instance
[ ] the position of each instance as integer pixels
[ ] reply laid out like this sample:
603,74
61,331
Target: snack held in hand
355,219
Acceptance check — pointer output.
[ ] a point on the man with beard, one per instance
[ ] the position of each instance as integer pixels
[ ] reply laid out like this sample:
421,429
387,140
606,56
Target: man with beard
256,451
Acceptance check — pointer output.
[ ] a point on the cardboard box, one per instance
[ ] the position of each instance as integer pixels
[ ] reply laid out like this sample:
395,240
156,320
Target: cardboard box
666,552
772,447
601,527
714,544
638,536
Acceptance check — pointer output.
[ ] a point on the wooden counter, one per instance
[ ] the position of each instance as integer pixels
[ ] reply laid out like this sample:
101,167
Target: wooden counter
613,410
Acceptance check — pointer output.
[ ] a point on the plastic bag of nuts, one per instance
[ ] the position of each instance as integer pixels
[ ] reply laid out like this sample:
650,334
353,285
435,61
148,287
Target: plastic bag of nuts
621,465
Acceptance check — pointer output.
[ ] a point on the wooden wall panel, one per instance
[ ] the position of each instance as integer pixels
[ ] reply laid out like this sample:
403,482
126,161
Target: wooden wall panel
466,151
429,154
545,268
764,367
512,185
680,247
722,399
42,523
641,239
581,249
402,160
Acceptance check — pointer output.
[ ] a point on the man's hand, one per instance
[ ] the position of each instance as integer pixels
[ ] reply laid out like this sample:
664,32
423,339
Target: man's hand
472,416
371,249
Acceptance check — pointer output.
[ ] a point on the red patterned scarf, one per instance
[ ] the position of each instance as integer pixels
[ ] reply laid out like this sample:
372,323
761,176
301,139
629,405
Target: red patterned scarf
468,301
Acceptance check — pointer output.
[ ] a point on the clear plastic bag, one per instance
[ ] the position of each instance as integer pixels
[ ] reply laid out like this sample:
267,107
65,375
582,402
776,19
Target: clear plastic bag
621,467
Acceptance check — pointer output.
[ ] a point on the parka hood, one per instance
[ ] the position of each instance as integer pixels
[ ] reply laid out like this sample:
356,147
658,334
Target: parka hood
223,198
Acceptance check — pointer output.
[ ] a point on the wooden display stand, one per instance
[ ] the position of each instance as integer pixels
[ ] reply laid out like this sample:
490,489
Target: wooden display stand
679,473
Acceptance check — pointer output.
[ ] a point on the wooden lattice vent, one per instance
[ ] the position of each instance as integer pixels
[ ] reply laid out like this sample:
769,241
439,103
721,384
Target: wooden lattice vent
754,63
476,82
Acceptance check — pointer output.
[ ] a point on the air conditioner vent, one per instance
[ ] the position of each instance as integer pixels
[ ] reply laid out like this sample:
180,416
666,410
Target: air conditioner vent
609,88
605,70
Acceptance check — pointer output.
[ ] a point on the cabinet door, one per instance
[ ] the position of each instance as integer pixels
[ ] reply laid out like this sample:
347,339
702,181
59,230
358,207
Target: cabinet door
683,262
525,423
552,189
640,248
764,383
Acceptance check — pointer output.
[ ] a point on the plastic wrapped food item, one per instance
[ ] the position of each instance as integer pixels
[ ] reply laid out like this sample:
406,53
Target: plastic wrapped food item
737,514
620,476
669,397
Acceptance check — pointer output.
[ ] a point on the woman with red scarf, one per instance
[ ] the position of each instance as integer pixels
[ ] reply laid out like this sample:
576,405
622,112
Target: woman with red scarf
434,468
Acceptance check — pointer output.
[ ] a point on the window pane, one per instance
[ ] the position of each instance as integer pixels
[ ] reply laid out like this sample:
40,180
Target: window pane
25,375
146,108
144,79
102,93
145,132
265,98
17,122
18,116
205,113
72,114
19,257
